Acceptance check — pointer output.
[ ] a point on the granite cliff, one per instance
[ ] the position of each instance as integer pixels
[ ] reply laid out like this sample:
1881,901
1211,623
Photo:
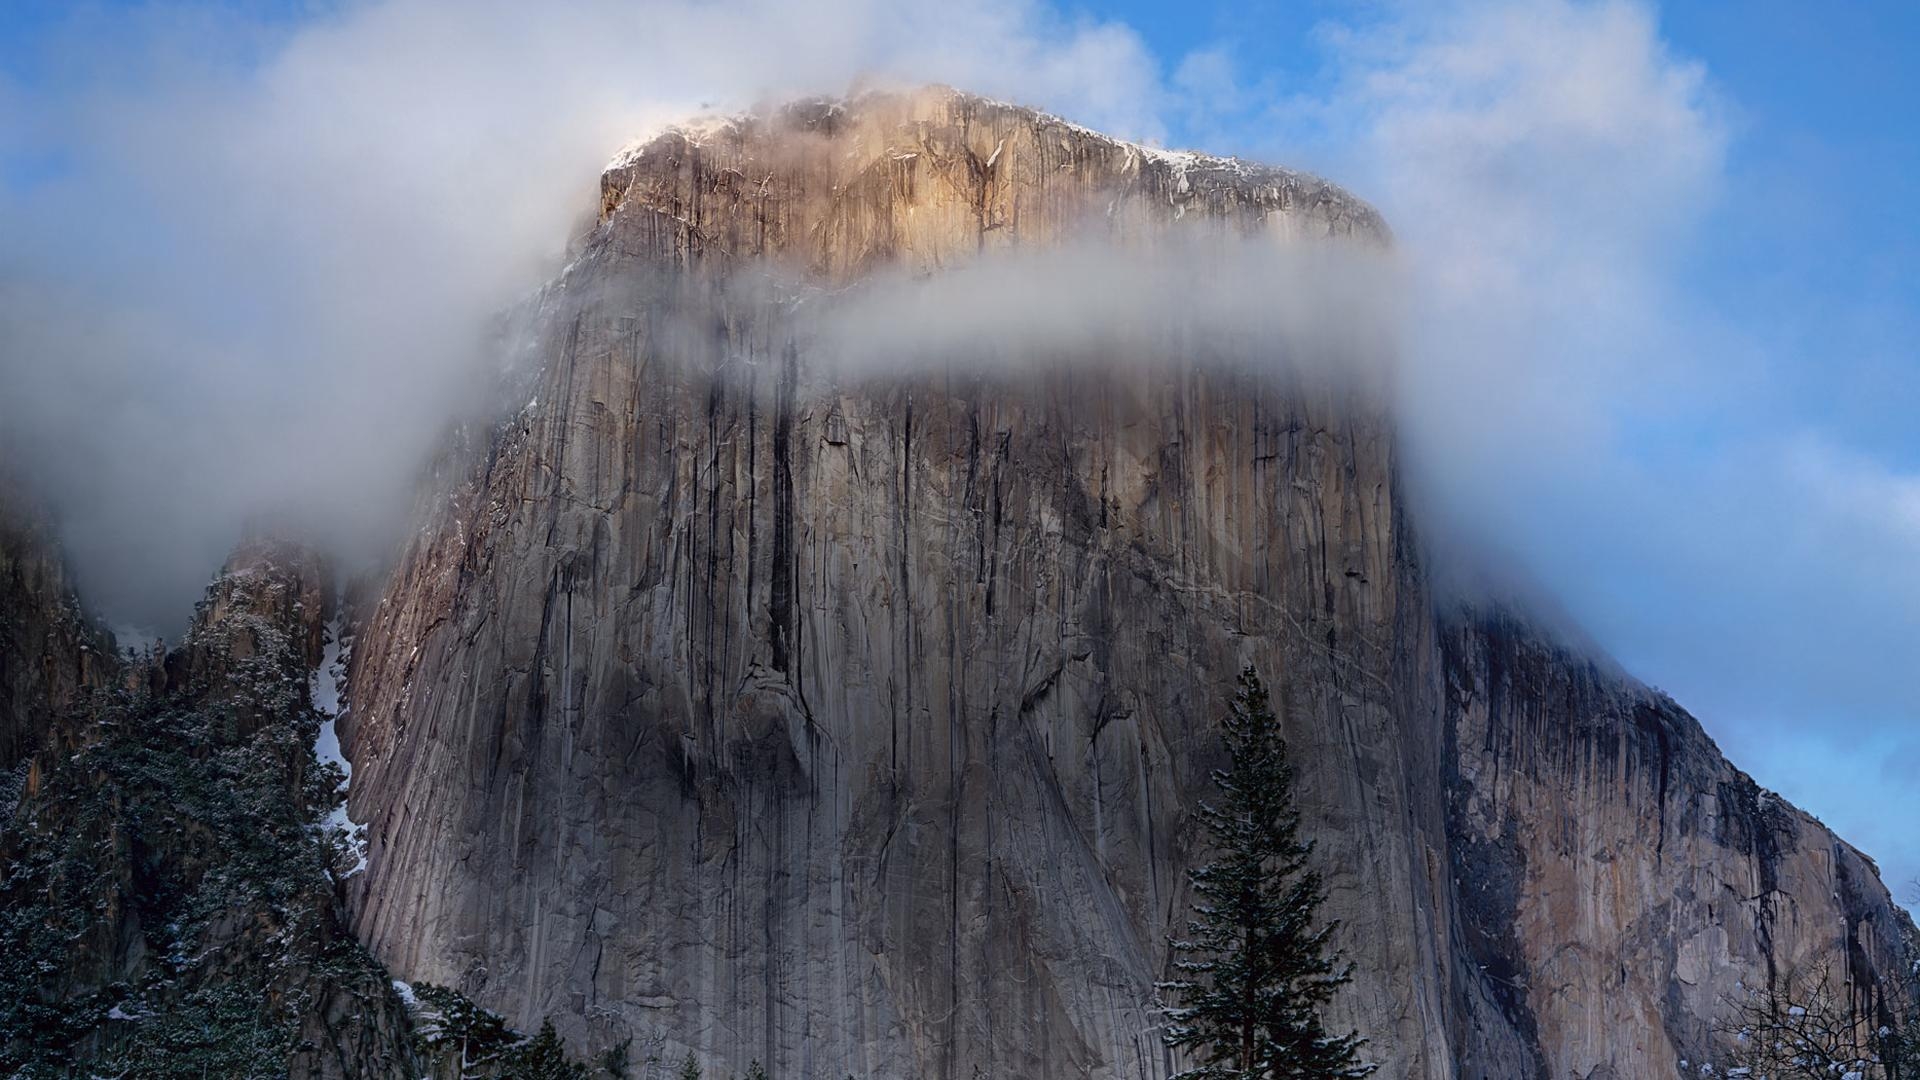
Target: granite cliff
853,722
735,701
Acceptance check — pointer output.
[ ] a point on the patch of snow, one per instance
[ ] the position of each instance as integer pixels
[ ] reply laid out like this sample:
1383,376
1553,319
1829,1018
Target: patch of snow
326,698
405,990
326,678
696,130
326,683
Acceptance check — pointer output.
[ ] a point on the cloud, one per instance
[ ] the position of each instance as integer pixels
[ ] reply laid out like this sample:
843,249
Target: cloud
1320,310
1542,163
1576,403
252,267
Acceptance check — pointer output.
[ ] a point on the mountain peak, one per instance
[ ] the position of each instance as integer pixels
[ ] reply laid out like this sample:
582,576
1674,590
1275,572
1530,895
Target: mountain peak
931,175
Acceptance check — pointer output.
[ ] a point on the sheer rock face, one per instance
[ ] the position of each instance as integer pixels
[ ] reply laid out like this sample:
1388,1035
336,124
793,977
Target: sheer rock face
49,651
1620,881
856,725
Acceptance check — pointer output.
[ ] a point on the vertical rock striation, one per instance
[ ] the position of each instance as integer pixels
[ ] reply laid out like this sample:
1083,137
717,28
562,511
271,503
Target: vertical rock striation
855,723
1620,880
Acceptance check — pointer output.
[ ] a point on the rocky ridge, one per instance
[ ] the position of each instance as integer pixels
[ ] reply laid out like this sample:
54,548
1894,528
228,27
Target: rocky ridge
168,906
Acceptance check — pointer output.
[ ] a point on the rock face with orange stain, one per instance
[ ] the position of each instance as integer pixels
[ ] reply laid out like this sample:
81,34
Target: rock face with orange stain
855,722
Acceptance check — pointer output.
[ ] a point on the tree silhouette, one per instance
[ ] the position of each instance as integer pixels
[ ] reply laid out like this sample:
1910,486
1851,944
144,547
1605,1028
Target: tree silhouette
1257,967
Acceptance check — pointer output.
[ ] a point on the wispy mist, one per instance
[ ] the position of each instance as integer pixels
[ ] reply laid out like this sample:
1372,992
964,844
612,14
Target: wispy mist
1575,404
1327,308
251,267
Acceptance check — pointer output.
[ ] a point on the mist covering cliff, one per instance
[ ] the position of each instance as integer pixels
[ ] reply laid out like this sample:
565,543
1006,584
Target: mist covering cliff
817,661
850,716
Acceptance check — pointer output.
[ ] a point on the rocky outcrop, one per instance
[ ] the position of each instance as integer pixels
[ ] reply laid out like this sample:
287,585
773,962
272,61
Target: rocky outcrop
50,652
167,906
1619,881
855,723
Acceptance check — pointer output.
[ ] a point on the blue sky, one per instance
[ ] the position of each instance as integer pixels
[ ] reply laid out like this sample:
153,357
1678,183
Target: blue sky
1664,354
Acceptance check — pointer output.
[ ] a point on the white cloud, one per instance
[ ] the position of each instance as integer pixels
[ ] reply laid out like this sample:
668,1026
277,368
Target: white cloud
1572,399
263,279
1311,309
1542,165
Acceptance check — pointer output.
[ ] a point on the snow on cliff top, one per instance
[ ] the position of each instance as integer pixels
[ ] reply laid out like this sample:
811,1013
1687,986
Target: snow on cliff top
699,129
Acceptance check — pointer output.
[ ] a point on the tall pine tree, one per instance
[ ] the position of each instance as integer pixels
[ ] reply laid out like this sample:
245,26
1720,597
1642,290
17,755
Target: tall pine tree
1257,966
544,1057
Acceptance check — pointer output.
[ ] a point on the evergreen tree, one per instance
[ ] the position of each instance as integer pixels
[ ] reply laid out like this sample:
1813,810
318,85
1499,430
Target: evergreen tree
1257,966
544,1057
453,1029
755,1071
1902,1050
690,1068
617,1060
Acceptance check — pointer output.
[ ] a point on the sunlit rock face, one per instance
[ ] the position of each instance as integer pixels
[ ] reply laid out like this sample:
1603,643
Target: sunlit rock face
855,722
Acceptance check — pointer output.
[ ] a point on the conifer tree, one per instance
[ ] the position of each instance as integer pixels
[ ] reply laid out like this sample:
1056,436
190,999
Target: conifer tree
450,1026
544,1057
617,1060
1903,1055
1257,966
690,1068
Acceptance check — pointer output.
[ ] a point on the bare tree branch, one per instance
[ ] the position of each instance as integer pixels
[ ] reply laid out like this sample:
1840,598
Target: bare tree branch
1806,1028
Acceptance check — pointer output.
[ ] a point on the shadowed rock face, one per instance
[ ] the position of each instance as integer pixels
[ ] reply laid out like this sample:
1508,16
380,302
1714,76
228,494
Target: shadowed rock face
166,906
49,651
1618,879
856,724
